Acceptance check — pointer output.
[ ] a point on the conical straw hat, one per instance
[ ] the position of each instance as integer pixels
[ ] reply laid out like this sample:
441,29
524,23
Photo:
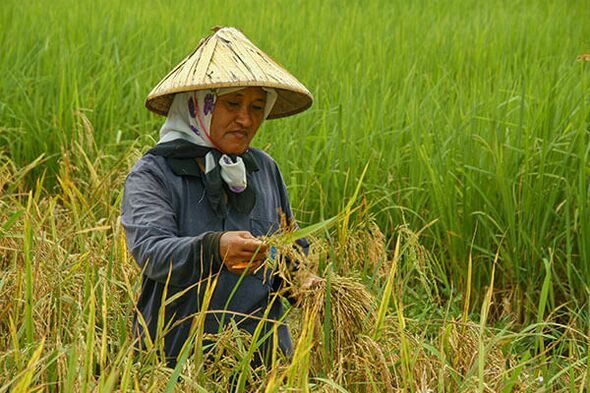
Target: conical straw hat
227,58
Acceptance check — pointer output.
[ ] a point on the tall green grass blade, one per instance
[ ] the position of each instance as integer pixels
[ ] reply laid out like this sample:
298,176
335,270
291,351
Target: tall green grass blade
72,371
11,220
387,293
24,384
543,301
28,256
52,371
327,325
328,382
88,370
485,309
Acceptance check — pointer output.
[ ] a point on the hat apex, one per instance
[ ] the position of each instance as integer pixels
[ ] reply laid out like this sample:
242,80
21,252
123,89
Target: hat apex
227,58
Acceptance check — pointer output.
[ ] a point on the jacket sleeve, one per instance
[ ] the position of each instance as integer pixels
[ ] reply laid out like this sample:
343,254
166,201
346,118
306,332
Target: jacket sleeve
149,221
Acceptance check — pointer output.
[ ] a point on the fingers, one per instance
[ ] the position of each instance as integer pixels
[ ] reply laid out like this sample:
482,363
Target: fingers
252,244
241,251
242,267
245,252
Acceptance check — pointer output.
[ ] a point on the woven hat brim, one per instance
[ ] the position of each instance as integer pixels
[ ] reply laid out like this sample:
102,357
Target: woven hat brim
288,102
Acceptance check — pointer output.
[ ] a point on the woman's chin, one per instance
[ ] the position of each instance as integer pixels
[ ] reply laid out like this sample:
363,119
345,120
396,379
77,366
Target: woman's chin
234,149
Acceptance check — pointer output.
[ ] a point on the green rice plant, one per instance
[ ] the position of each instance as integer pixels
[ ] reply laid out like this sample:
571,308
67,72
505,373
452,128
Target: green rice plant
88,366
387,293
544,298
24,383
485,308
28,253
298,371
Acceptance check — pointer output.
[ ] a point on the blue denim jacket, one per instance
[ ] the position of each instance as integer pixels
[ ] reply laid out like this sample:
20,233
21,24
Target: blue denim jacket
165,217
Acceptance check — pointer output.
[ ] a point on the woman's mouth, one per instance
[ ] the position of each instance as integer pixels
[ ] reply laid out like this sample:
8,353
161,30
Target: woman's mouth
238,134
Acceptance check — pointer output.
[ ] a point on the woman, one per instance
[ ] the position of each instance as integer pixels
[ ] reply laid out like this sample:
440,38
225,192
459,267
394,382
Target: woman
195,205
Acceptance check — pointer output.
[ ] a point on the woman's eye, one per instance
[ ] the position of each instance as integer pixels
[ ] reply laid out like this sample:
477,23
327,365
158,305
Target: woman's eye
257,107
233,103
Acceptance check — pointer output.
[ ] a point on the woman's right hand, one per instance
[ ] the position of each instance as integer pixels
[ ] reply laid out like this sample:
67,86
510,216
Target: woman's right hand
240,251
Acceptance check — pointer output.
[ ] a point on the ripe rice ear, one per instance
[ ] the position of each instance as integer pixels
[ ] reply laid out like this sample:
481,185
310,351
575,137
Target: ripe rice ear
342,302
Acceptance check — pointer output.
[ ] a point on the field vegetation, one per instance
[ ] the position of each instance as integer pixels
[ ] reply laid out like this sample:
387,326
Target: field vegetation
450,139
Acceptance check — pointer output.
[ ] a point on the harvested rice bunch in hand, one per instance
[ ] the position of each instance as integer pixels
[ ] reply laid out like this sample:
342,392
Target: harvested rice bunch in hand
283,259
337,309
351,306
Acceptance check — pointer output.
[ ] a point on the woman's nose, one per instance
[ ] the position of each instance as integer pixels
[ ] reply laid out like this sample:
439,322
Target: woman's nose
244,118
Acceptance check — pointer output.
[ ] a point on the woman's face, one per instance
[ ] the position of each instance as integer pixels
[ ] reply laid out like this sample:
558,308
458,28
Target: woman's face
236,119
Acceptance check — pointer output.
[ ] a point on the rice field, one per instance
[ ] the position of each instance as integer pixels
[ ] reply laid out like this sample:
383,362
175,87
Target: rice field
458,262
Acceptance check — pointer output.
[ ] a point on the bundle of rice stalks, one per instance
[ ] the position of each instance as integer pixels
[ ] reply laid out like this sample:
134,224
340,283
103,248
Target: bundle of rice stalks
337,309
341,309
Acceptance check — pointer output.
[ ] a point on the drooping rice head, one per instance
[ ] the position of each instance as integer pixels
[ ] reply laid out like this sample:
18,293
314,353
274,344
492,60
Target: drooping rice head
365,250
351,314
419,267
